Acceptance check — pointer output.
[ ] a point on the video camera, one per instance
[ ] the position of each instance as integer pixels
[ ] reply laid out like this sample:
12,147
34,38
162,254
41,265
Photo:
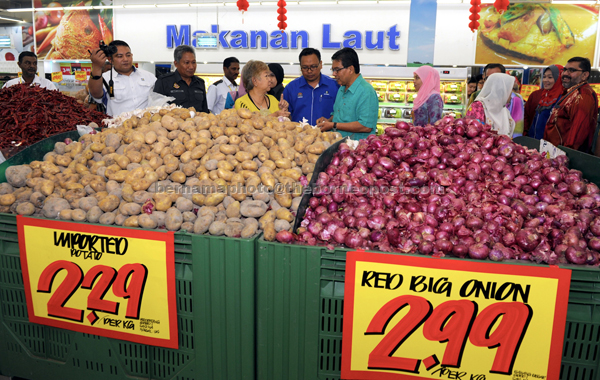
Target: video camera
108,50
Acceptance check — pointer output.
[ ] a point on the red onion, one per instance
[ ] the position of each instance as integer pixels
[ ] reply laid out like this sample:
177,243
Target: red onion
479,251
284,237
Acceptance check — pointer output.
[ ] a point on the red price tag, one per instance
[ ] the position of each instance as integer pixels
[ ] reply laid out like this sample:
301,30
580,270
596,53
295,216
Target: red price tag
107,281
425,318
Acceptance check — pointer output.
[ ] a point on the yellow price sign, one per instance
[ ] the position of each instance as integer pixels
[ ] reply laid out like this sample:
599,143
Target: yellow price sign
57,77
410,318
114,282
80,75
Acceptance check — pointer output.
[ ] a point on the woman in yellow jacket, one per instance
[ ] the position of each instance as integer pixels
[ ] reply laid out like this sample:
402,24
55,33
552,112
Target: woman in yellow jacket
257,80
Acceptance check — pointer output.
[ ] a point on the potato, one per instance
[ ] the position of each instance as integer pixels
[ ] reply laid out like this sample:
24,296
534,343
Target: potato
52,206
282,225
269,231
78,215
233,210
184,204
268,180
7,199
16,175
169,123
296,203
268,217
173,219
217,228
308,168
202,224
292,173
284,199
130,208
93,215
86,203
6,188
147,221
249,230
283,163
244,113
109,203
162,201
284,214
253,209
26,208
234,229
178,176
65,214
214,199
189,216
132,221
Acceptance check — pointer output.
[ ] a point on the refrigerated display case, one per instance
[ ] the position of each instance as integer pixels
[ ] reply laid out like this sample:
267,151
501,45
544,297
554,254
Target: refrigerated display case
396,93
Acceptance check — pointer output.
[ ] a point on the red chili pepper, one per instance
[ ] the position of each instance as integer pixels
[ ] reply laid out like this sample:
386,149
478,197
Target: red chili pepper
30,114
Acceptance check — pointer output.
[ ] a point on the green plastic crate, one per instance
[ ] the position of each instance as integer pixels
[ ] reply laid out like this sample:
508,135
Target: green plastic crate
215,314
35,152
300,303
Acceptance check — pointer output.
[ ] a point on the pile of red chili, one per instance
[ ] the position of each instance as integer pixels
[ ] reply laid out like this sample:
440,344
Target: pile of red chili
29,114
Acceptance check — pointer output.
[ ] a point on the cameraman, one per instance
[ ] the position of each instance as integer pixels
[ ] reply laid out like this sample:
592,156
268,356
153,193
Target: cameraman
131,86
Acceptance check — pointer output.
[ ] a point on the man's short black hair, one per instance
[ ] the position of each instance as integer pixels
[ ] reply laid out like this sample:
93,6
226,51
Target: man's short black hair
309,51
348,57
494,66
119,43
584,63
180,50
26,54
228,61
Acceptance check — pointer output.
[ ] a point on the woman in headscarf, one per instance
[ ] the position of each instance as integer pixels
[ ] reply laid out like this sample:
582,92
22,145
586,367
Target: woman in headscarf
277,89
540,102
515,108
490,106
428,104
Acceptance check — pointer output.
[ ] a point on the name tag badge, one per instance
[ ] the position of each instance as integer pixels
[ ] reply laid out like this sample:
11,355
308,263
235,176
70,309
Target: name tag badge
300,96
175,85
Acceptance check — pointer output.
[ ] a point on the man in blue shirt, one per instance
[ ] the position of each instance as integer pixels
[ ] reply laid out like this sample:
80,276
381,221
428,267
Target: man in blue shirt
312,95
356,105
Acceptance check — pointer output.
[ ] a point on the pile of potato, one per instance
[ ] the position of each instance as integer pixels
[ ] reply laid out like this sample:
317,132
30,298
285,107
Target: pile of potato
169,170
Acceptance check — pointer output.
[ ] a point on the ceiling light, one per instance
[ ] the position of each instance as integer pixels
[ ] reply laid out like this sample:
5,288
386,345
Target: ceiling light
127,6
172,5
17,10
11,19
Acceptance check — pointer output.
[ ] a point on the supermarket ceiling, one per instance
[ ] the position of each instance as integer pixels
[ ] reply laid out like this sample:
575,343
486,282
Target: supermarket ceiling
11,4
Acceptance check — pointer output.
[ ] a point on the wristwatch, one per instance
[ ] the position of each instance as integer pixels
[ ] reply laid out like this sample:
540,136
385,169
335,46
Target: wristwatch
95,77
335,127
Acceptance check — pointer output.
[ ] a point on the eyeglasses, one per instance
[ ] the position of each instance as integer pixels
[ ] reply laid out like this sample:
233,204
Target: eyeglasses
571,70
309,68
337,69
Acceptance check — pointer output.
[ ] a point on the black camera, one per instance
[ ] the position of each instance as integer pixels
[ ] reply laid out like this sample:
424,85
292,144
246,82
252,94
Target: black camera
108,50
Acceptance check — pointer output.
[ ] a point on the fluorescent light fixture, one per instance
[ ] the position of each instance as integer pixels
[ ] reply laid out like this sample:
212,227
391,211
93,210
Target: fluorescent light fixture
317,2
230,4
151,61
17,10
54,9
106,6
137,6
207,5
172,5
268,3
357,2
525,67
11,19
75,8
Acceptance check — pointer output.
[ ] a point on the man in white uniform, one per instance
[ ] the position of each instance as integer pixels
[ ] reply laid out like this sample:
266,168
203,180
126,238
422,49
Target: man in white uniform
131,86
218,91
28,64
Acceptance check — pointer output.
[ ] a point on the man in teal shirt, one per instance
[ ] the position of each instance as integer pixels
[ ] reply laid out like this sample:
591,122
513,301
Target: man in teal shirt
356,104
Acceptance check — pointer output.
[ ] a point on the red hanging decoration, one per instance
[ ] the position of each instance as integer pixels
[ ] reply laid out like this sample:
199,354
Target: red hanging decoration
474,24
501,5
282,17
243,5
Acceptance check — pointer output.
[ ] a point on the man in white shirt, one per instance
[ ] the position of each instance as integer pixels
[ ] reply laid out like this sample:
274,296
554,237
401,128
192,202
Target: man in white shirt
218,91
28,64
131,86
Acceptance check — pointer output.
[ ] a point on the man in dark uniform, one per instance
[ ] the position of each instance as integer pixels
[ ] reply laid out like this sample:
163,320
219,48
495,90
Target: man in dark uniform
182,84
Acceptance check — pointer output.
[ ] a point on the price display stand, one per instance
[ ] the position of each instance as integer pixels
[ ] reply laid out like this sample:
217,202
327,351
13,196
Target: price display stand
214,286
301,297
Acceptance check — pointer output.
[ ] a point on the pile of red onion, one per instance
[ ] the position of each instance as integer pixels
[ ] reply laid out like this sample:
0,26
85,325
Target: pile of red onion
461,190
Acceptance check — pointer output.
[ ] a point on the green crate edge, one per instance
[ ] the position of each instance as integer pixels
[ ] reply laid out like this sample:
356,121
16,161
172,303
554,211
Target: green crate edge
275,357
224,339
